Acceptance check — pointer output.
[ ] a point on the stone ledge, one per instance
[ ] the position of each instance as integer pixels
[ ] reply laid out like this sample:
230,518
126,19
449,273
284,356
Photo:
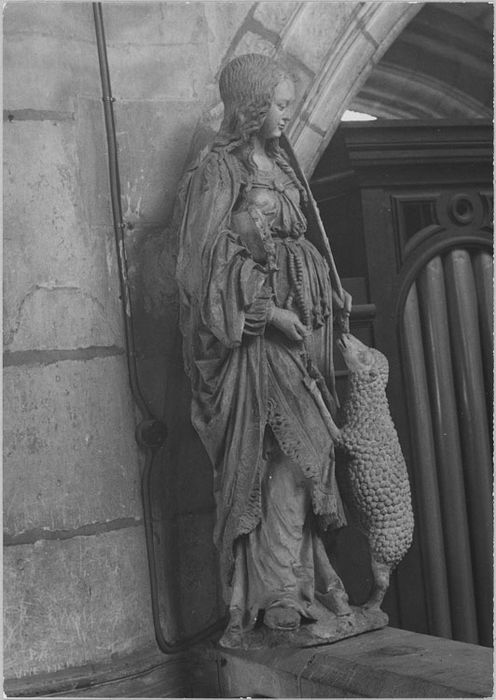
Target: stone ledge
145,673
380,664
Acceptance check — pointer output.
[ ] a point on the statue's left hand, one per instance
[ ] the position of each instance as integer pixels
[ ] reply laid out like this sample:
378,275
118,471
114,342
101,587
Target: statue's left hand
289,323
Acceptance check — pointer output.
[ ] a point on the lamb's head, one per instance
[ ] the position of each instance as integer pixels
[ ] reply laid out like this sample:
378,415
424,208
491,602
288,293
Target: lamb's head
367,363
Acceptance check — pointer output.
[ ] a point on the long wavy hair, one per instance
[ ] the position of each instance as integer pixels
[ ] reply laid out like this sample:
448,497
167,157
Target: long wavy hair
247,85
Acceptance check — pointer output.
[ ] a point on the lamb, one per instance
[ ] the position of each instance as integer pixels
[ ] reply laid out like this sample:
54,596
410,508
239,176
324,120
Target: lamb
374,481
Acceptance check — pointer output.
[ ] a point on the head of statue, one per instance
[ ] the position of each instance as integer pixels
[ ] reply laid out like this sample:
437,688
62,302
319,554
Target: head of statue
256,93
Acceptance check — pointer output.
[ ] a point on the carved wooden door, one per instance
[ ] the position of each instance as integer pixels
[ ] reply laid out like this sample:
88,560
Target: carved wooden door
426,208
444,317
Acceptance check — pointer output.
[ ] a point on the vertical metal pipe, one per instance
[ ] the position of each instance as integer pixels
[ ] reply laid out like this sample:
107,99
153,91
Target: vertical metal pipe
473,422
115,199
425,479
150,433
434,315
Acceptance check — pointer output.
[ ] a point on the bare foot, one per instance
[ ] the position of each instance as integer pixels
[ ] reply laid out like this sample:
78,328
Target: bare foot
279,618
373,604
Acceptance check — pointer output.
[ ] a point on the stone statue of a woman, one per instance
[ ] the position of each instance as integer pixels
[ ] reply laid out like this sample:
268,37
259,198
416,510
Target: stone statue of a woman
257,309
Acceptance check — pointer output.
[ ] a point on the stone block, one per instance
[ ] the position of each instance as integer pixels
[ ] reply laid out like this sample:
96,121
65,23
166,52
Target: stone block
54,260
224,20
144,673
329,98
46,73
154,139
155,23
70,457
254,43
346,78
318,29
71,602
53,316
301,78
399,663
91,152
40,179
153,73
275,15
385,22
257,679
388,663
306,146
59,20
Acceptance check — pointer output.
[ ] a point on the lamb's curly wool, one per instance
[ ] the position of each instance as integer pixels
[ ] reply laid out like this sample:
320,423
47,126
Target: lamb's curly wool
374,481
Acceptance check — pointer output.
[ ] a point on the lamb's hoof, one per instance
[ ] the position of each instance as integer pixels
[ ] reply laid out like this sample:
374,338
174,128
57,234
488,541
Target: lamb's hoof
279,618
336,601
372,605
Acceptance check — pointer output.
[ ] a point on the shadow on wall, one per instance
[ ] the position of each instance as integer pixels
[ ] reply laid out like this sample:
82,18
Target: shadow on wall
181,478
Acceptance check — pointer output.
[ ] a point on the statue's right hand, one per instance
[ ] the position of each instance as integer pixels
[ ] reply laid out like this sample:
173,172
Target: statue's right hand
289,323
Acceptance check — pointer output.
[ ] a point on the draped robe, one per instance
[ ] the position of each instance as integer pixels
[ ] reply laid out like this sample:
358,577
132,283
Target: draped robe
241,379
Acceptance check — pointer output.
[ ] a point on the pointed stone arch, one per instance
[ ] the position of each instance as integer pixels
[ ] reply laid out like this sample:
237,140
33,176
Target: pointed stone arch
330,48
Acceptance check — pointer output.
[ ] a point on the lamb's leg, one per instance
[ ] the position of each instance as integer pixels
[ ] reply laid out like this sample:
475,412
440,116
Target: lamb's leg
381,573
329,587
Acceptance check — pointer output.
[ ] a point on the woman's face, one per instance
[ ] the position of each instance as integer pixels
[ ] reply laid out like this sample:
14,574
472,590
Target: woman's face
280,110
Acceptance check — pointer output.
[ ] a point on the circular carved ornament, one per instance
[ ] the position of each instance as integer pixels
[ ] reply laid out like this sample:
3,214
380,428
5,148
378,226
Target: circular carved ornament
459,210
462,209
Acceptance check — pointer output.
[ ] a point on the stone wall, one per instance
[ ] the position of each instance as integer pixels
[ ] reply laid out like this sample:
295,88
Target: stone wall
76,586
75,568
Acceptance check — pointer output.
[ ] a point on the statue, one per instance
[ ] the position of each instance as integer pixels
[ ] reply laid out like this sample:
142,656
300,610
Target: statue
258,297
